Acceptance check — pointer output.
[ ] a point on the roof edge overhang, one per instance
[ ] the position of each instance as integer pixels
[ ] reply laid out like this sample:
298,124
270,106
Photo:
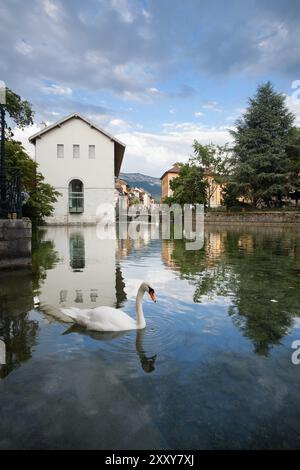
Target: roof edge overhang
40,133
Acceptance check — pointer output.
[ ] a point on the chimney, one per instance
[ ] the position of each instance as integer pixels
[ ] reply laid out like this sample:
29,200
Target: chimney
43,125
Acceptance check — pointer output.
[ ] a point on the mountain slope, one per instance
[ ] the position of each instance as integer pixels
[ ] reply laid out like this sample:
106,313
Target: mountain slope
148,183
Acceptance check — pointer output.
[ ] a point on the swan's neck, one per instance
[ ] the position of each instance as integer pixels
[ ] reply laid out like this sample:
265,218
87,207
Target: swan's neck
140,319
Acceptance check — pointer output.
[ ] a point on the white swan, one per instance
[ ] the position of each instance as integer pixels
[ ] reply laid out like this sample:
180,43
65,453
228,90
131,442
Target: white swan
111,319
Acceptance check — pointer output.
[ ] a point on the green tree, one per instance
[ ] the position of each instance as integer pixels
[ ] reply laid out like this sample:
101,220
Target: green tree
293,151
215,162
262,166
190,187
42,195
230,195
19,110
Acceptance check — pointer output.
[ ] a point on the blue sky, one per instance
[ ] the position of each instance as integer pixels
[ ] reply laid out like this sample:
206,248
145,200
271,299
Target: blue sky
155,73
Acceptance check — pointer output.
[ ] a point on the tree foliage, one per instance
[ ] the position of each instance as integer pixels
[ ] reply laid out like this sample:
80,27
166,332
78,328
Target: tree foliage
262,167
190,187
199,177
19,110
215,161
293,152
42,195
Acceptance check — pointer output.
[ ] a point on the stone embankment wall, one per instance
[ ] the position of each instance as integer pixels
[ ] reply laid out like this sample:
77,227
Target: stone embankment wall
15,243
266,218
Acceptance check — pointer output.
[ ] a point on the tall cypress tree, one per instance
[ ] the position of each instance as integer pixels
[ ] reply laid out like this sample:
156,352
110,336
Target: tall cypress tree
262,165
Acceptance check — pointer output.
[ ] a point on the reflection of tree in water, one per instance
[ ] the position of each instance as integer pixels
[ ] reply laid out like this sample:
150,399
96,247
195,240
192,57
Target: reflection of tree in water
44,257
19,335
120,285
17,329
252,269
267,274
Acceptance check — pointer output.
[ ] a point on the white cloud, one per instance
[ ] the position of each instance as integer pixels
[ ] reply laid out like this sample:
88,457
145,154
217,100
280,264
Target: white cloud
24,48
212,106
153,91
146,15
153,153
123,10
236,113
118,125
51,9
198,114
57,90
23,136
293,101
146,96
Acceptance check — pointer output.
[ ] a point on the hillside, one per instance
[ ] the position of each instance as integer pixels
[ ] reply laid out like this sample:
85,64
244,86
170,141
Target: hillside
148,183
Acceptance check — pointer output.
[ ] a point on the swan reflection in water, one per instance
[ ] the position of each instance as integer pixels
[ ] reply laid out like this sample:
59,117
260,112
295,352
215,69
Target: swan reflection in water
147,362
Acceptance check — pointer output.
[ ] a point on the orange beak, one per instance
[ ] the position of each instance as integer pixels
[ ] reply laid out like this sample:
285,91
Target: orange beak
152,296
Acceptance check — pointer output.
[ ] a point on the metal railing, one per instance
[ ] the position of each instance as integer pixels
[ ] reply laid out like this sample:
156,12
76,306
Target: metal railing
11,200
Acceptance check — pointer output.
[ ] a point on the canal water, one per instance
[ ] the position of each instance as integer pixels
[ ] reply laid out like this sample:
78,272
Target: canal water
212,370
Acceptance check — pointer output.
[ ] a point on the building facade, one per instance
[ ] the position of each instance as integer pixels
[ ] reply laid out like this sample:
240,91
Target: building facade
214,191
81,161
168,175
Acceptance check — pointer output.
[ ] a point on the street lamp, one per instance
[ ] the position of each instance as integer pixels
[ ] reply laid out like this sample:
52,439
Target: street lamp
3,202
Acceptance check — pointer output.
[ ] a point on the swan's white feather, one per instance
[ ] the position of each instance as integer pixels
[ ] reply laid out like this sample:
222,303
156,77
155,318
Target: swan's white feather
108,318
101,318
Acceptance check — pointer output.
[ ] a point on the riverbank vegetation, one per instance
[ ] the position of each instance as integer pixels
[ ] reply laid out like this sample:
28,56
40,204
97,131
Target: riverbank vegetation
38,197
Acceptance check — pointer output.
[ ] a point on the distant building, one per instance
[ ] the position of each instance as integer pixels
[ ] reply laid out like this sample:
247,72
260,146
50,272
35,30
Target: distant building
147,199
81,161
168,175
141,197
214,189
122,187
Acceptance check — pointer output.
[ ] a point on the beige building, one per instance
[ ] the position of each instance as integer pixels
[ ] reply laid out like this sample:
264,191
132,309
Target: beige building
214,189
166,191
214,192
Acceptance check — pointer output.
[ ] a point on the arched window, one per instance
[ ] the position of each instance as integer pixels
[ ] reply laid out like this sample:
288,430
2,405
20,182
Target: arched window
77,252
76,197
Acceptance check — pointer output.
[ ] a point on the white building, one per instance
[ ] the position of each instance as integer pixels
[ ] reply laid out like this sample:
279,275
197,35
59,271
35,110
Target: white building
81,161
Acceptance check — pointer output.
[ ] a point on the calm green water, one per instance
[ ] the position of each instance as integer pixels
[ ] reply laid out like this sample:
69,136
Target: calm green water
212,369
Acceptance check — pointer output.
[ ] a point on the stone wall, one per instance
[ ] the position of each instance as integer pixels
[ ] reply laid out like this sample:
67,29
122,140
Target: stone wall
15,243
265,218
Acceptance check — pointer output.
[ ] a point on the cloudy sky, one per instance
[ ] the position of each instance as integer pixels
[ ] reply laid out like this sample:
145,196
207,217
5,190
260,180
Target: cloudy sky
155,73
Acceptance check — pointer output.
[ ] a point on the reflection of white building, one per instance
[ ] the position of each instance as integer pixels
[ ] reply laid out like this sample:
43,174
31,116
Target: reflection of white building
85,276
81,161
